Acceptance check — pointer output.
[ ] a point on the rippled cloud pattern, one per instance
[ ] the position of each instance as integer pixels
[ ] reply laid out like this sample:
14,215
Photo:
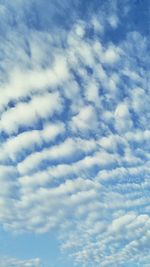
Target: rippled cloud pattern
74,130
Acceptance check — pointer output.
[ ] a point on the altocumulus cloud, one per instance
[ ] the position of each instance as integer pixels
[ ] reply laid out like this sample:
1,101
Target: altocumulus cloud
74,131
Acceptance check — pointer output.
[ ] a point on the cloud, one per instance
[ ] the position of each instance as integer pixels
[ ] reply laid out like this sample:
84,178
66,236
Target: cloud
28,113
20,263
63,151
122,117
29,140
74,132
85,120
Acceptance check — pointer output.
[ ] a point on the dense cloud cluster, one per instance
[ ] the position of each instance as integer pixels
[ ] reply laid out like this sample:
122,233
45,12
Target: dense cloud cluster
74,132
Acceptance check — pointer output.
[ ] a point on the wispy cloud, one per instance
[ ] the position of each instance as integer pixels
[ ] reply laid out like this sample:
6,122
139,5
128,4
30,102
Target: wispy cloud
20,263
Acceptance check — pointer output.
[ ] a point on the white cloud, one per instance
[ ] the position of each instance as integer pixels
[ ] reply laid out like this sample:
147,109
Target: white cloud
111,55
85,120
63,151
122,117
27,141
119,223
26,114
92,92
23,83
7,262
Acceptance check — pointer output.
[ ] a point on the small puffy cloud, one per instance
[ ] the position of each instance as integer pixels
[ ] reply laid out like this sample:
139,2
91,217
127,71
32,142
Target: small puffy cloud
85,120
92,92
123,119
111,55
113,21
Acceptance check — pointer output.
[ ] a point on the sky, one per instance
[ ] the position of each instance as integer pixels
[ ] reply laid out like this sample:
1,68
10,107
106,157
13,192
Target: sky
74,133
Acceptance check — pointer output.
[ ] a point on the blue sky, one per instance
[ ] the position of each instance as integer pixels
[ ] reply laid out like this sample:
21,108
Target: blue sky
74,133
